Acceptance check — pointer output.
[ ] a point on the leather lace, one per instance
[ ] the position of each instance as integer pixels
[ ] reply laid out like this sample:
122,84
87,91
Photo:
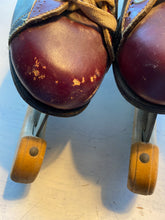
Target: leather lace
94,10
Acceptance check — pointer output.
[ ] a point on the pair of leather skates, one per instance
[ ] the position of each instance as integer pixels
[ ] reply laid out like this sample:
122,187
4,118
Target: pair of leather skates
59,53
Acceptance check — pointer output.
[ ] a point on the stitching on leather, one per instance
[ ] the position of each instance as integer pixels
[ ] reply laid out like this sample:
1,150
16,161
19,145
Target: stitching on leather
32,8
26,22
126,9
22,17
148,6
135,18
19,19
16,30
48,12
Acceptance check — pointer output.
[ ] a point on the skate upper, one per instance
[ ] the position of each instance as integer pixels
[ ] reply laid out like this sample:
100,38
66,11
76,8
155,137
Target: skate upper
60,56
141,51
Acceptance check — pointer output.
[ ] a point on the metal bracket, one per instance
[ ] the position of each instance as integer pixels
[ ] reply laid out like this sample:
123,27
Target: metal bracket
34,123
144,126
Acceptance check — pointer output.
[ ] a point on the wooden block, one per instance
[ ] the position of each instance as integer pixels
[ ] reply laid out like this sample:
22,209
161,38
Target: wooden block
28,160
143,168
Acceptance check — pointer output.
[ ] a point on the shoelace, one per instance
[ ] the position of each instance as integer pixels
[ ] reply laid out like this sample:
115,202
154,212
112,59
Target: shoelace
102,12
90,8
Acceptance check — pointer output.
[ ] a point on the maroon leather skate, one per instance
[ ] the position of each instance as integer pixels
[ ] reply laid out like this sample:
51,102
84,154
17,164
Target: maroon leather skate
139,67
60,51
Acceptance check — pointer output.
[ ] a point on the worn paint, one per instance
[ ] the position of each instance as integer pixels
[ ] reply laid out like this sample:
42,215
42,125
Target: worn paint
76,82
36,62
35,70
97,72
83,80
92,79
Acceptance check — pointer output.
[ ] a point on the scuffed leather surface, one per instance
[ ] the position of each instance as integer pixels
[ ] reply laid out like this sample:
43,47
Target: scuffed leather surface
60,58
67,57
